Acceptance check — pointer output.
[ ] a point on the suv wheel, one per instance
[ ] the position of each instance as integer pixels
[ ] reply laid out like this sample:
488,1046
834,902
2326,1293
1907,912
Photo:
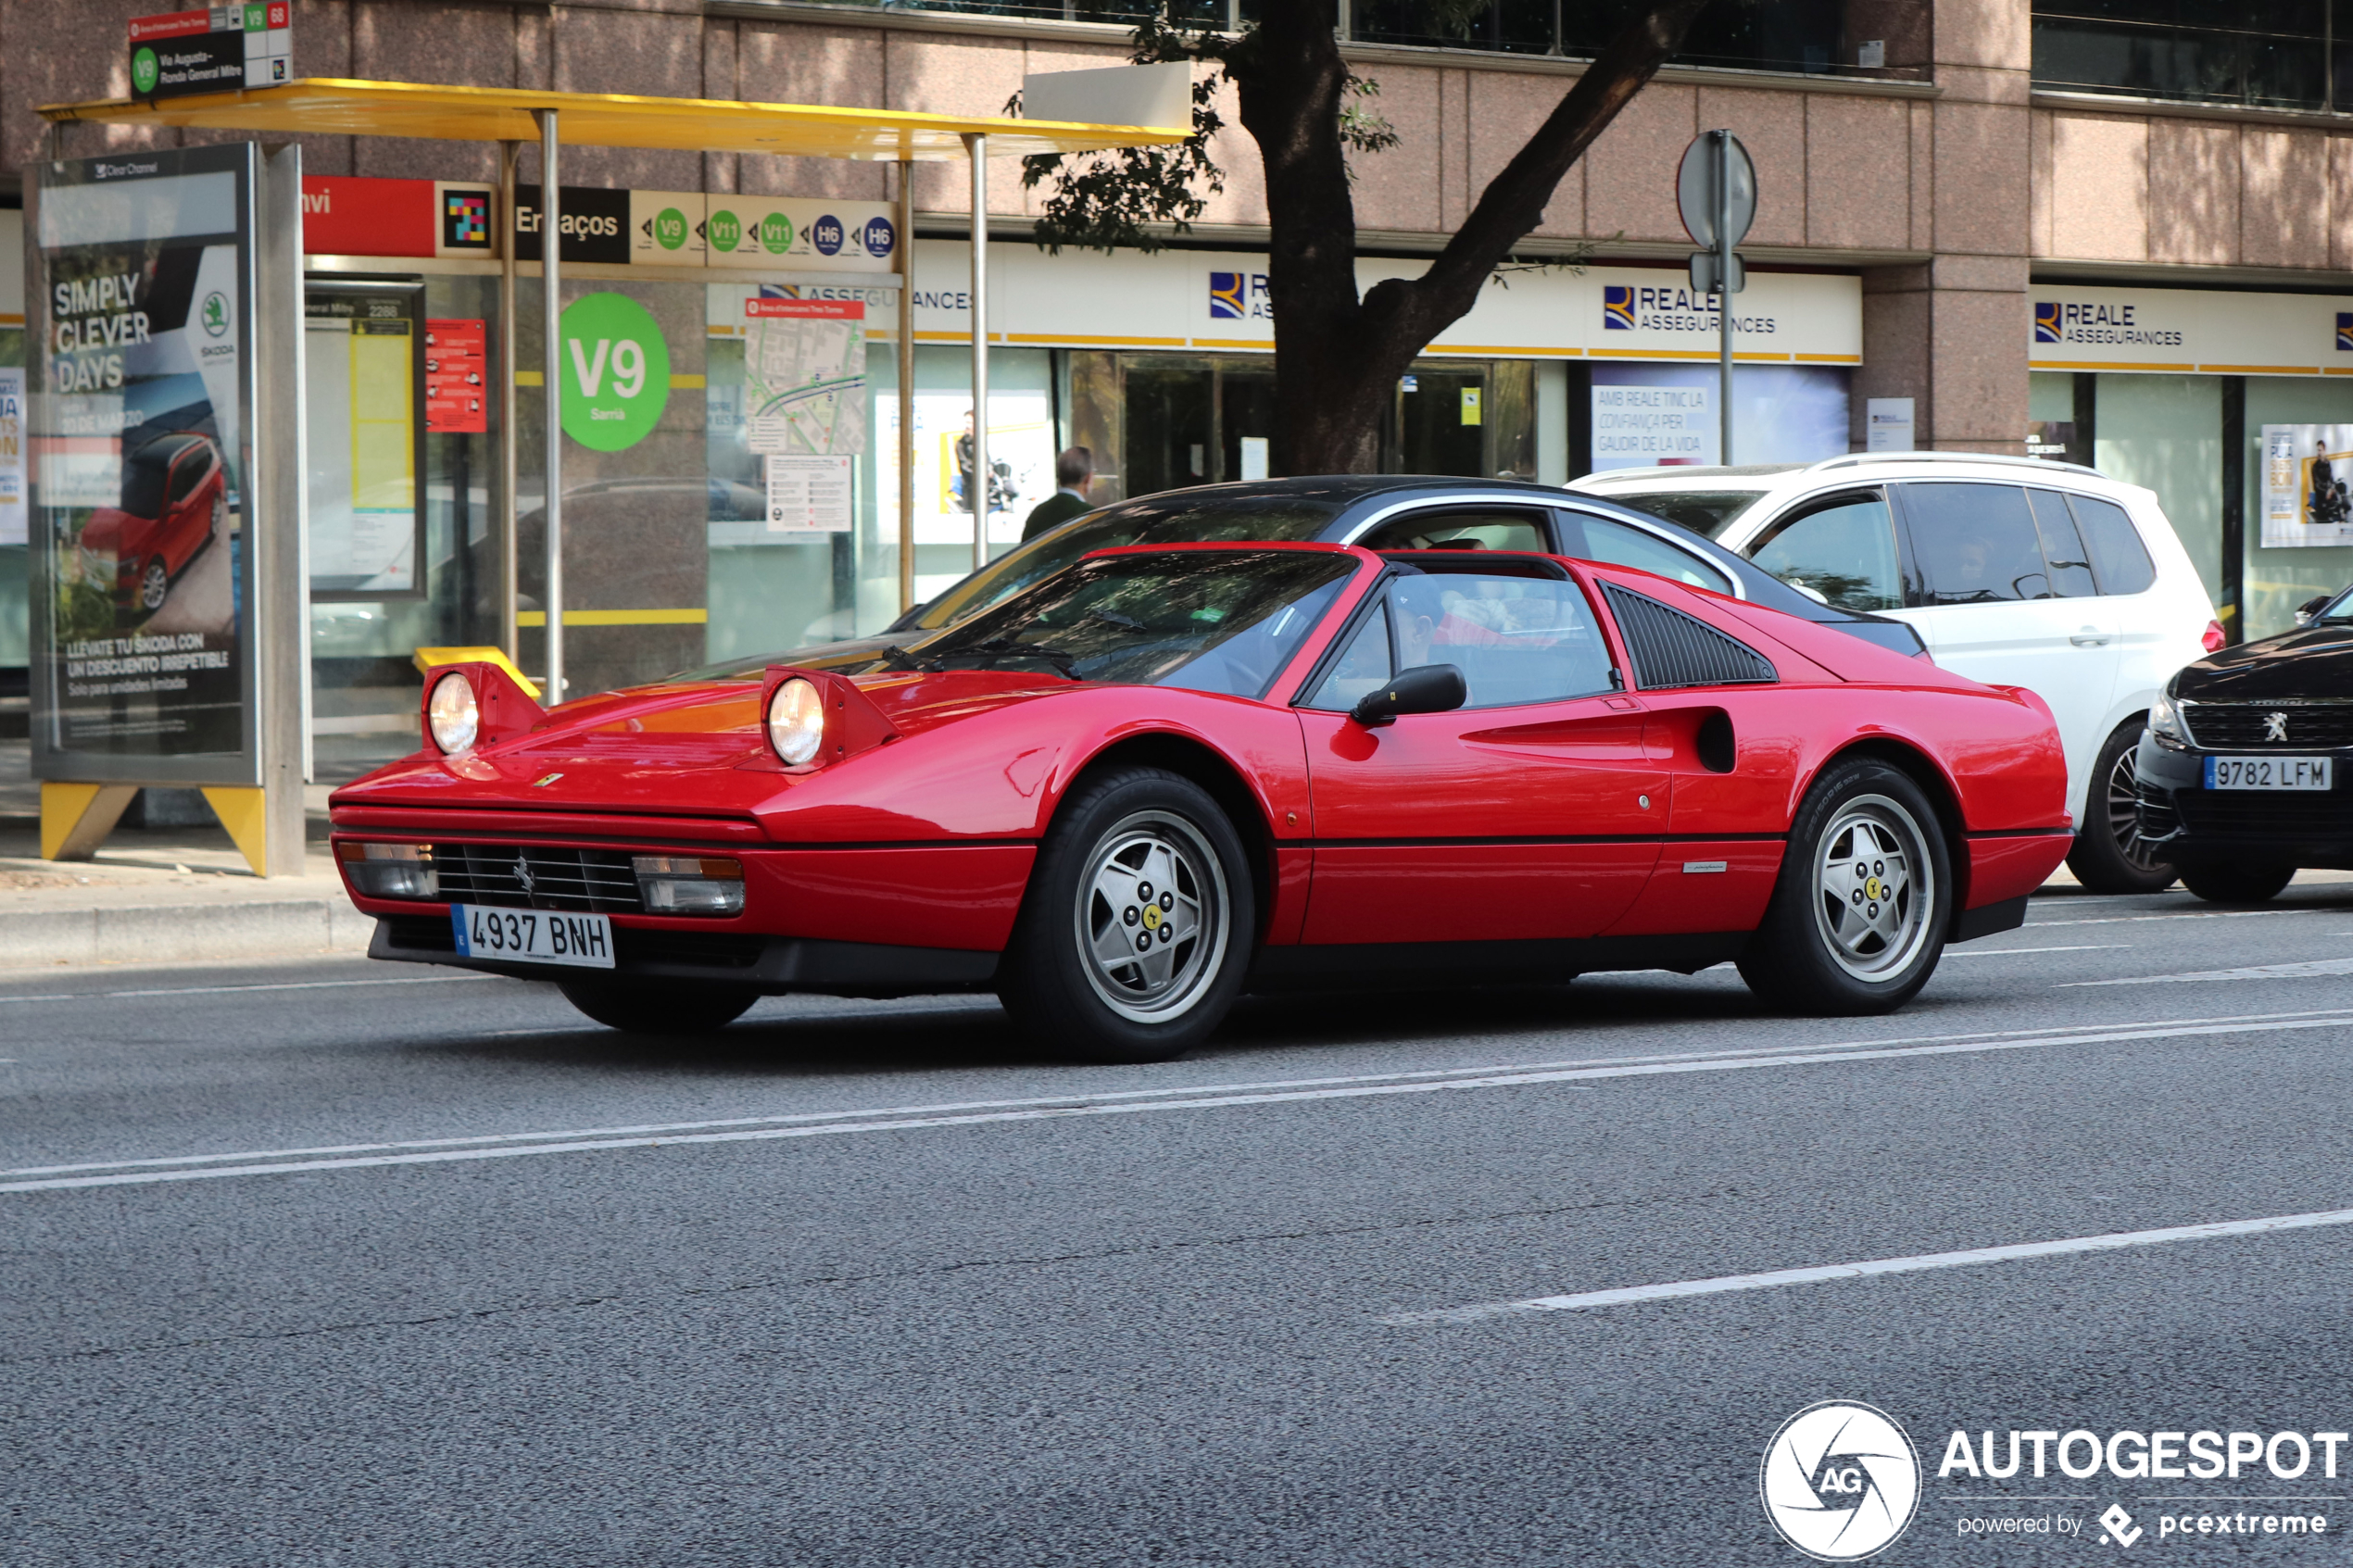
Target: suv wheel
2110,854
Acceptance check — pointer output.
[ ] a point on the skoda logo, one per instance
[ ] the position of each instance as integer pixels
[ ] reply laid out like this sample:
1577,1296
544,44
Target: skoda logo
216,314
2275,726
1840,1481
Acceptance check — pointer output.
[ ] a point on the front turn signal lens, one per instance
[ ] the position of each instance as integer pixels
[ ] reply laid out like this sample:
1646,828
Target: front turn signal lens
390,871
795,721
452,716
690,885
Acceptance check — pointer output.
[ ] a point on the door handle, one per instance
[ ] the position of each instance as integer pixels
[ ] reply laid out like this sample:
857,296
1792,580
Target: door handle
2089,639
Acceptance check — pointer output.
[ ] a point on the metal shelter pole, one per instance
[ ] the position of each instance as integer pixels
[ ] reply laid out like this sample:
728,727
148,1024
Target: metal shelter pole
1724,290
550,244
509,637
906,385
976,491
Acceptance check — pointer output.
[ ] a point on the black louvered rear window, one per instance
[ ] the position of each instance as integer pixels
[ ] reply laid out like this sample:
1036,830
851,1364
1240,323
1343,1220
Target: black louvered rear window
1673,649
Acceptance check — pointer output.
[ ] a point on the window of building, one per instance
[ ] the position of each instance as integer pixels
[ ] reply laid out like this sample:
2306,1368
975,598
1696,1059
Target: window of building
2283,54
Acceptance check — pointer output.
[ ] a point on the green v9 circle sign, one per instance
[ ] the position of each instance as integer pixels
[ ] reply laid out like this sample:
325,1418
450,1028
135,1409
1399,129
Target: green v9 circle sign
616,372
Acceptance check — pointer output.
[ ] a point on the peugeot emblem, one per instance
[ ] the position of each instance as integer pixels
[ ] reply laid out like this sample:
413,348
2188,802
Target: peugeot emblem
2275,726
522,874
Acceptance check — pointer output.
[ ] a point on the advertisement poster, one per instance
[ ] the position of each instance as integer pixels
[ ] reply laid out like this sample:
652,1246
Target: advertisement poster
1649,415
362,353
12,449
2307,485
143,310
457,360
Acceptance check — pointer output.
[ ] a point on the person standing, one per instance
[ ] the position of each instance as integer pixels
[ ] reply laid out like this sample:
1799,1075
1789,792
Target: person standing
1074,471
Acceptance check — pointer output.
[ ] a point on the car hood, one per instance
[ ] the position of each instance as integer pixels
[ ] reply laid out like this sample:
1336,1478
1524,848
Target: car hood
107,527
2309,663
692,747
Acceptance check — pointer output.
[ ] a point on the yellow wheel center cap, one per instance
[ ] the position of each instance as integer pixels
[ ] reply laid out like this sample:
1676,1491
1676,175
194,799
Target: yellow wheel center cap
1152,917
1872,888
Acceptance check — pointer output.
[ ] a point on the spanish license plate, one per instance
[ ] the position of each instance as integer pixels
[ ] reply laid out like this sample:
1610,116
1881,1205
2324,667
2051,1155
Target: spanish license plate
533,935
2267,772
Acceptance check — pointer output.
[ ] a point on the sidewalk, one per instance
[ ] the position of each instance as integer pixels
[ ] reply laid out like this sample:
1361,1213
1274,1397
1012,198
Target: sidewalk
161,895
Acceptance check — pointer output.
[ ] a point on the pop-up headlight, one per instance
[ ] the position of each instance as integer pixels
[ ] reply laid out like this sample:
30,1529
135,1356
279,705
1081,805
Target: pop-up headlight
390,871
686,885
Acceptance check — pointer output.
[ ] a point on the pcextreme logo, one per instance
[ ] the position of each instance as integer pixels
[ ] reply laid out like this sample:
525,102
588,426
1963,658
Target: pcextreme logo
1840,1481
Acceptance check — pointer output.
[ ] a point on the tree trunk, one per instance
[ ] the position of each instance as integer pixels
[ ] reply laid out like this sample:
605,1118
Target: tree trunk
1337,357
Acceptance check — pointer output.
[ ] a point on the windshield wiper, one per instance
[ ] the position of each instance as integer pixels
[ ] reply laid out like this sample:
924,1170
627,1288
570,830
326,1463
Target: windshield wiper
997,646
900,658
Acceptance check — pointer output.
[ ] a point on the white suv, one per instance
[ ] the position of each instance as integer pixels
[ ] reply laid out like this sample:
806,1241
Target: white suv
2014,570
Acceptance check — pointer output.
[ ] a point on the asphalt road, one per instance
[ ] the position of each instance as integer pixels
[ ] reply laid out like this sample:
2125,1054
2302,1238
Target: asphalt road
346,1264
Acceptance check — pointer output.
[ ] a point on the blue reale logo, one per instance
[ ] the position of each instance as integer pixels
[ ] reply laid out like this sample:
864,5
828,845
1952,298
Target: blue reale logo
1618,307
2345,331
880,236
2047,322
825,234
1225,303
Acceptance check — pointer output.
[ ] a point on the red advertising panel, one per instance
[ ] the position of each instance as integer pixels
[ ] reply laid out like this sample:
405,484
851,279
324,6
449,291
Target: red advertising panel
457,384
808,309
347,215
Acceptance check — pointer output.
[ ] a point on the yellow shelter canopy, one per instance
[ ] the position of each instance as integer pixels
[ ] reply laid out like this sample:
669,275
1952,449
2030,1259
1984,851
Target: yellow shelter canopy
329,106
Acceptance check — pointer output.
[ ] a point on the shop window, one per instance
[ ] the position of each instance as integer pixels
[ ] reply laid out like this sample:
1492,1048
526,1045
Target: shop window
1844,553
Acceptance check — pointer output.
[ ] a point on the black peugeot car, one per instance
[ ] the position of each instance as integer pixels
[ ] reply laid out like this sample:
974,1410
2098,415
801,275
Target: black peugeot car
2243,770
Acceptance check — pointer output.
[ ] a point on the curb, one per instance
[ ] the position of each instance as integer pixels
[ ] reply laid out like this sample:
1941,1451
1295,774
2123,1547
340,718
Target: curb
180,932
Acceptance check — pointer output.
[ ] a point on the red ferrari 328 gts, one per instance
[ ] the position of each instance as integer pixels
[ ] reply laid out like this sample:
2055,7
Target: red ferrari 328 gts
1169,774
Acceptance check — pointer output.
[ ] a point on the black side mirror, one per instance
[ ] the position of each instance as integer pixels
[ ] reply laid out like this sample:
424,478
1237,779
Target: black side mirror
2311,607
1427,688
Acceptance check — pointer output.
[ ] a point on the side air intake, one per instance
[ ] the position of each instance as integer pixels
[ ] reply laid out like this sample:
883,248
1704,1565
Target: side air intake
1673,649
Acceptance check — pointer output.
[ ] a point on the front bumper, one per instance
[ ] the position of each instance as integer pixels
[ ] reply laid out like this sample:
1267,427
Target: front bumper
776,965
2182,821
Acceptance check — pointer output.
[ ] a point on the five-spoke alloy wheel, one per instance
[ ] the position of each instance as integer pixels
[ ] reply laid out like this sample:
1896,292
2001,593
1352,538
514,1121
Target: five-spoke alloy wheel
1859,916
1138,925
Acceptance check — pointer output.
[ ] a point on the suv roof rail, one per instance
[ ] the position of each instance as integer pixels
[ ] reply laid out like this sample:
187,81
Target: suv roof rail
1853,459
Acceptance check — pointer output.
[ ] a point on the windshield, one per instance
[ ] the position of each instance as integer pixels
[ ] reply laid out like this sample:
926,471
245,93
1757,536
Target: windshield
1210,621
1174,518
1705,512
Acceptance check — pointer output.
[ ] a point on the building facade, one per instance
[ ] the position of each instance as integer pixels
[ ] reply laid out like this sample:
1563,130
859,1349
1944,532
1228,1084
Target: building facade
2119,243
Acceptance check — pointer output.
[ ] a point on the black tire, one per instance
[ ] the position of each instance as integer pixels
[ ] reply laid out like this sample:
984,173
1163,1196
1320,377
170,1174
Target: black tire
1068,978
1861,817
2110,854
658,1007
2230,882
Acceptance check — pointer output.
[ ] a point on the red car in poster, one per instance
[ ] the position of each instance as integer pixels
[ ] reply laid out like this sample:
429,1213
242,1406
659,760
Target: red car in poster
1170,773
173,503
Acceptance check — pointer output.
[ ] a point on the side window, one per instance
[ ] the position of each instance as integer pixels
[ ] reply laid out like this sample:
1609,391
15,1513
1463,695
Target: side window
184,477
1478,528
1606,539
2118,555
1976,543
1364,668
1842,551
1516,639
2062,548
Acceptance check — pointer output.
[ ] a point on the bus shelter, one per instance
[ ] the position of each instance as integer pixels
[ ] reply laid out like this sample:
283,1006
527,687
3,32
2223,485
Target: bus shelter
80,803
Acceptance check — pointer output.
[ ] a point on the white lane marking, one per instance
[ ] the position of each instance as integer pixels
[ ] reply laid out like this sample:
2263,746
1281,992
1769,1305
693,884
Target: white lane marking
2053,1031
2253,972
1779,1278
2005,952
1198,1102
223,990
2205,914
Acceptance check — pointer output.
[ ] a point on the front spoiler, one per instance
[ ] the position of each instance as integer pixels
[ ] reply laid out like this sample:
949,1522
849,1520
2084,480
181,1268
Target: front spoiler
773,965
